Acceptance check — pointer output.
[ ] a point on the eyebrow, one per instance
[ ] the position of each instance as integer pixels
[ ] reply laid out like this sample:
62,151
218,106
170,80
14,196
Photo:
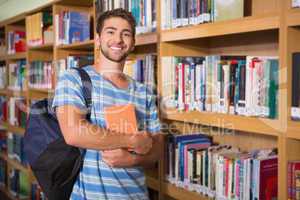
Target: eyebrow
114,28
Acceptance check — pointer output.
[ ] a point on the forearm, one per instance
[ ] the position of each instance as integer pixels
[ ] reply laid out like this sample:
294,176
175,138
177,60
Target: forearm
90,136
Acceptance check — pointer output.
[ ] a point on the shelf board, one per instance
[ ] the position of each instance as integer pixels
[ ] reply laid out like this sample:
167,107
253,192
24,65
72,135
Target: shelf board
145,39
13,129
44,47
232,122
3,92
75,3
15,93
152,183
87,45
180,193
3,57
14,163
16,56
40,93
246,24
293,17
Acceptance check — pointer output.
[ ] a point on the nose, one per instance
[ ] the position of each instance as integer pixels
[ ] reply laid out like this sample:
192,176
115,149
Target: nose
118,38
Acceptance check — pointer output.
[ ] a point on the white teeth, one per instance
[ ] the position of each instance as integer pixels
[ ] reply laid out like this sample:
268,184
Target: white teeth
115,48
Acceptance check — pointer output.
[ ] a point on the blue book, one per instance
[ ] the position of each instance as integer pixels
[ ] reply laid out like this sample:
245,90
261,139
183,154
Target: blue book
179,138
181,145
79,29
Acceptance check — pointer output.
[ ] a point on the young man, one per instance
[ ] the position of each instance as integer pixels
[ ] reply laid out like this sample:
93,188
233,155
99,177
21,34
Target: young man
110,171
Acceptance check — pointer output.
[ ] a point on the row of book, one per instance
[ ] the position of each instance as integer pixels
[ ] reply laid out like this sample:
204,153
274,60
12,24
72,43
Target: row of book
3,75
144,11
295,110
293,180
3,108
3,140
243,85
36,192
3,170
16,41
13,111
15,148
39,29
16,75
295,3
73,60
72,26
177,13
142,69
18,183
40,75
221,171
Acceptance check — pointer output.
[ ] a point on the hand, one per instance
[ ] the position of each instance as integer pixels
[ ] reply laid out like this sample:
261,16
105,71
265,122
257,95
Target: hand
141,142
118,158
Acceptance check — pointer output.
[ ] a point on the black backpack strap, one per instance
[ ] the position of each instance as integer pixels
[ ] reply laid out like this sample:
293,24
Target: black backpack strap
86,89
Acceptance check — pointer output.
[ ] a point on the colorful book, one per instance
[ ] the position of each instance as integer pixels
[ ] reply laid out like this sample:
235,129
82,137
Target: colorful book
121,118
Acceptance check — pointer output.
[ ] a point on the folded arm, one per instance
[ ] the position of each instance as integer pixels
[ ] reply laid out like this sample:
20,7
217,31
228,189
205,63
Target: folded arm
123,158
77,131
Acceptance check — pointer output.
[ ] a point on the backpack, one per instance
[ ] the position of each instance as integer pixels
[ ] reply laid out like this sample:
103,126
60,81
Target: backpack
54,163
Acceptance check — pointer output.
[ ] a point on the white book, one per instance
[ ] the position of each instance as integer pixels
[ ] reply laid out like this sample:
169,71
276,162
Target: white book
197,85
180,87
148,15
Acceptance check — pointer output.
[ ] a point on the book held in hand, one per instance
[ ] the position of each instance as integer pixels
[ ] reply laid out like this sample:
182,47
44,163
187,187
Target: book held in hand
121,118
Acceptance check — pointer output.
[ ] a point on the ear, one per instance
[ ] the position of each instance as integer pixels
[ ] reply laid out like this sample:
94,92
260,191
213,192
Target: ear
97,41
132,48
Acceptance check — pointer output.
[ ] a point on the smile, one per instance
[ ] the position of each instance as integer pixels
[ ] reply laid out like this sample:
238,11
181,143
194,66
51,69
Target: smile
116,48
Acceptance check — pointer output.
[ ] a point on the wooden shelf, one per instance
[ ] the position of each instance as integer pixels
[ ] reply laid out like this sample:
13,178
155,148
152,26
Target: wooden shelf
152,179
145,39
87,45
180,193
246,24
293,17
3,57
233,122
293,129
75,3
3,92
15,164
15,93
13,129
40,93
152,183
16,56
45,47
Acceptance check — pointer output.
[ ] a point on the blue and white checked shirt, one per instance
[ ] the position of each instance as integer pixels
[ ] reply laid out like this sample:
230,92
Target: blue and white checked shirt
97,180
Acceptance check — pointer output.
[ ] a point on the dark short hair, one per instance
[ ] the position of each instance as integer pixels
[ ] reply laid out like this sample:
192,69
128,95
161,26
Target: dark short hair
119,12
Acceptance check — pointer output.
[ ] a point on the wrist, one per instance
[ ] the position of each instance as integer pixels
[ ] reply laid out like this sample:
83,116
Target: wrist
128,142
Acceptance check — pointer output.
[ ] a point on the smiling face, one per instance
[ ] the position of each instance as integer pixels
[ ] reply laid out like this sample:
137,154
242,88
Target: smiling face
116,39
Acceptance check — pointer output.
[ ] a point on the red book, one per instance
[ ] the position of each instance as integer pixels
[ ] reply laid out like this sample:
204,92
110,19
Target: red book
268,179
121,118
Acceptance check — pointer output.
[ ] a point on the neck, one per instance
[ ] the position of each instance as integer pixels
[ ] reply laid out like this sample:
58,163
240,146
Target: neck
108,68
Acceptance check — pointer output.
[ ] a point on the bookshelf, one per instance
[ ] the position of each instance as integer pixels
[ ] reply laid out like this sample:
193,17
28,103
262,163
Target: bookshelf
269,28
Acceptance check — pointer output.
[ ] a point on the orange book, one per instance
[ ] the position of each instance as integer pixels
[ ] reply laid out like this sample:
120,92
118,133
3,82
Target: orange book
121,118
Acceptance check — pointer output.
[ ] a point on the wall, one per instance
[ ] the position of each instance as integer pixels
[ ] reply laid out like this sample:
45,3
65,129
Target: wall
10,8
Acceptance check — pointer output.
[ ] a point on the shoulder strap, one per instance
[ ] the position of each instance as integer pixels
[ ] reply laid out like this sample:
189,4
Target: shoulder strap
86,89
